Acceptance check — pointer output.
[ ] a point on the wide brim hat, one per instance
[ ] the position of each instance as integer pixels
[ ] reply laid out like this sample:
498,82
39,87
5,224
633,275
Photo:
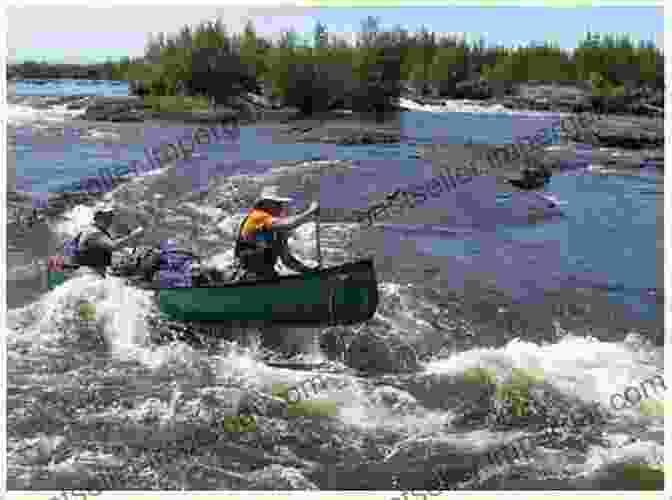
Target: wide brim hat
271,193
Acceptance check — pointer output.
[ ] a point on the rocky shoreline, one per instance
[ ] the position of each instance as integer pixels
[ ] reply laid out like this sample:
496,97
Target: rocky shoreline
633,123
610,131
566,97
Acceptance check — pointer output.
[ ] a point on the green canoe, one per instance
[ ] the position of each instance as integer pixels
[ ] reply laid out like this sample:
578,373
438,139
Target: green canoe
341,295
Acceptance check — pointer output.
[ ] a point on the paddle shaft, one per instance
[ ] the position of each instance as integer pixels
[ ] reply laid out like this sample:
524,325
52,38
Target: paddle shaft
316,332
317,241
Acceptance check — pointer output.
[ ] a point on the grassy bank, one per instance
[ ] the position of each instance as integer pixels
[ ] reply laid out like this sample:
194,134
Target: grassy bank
162,104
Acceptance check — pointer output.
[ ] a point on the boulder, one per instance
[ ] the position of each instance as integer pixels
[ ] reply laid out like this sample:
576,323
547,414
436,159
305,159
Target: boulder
137,87
258,403
258,100
118,109
473,89
119,100
376,354
243,107
356,138
368,138
629,139
128,116
95,115
82,103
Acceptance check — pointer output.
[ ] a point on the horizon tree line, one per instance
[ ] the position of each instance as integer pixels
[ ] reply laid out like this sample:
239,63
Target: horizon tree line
369,74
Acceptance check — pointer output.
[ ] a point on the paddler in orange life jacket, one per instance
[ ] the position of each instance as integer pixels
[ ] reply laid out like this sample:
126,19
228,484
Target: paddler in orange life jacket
95,245
263,234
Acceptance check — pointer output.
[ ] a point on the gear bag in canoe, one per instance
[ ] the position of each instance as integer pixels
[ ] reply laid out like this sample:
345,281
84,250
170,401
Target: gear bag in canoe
339,295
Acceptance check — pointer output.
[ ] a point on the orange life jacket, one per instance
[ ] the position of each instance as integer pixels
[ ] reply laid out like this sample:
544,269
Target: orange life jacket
257,246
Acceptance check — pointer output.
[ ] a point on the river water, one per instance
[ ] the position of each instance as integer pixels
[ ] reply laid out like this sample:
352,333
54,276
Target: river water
461,279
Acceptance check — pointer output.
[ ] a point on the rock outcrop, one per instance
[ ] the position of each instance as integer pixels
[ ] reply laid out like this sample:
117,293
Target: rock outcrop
133,109
630,139
578,98
347,138
473,89
614,131
115,109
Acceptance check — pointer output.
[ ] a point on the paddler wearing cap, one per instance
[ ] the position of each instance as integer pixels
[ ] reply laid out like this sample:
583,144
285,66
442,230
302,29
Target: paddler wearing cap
95,244
263,234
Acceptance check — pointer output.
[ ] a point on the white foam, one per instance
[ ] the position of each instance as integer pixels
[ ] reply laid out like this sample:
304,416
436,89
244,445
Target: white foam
208,210
587,368
101,134
230,225
552,198
221,261
119,310
594,168
640,452
466,106
75,221
22,114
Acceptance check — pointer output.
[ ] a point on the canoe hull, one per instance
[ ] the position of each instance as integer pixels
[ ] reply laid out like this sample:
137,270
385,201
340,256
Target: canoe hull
341,295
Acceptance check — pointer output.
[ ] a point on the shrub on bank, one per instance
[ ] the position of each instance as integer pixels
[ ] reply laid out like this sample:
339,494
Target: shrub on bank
309,87
367,75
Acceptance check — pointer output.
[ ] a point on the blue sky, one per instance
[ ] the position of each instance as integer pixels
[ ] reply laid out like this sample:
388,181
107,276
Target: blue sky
510,25
87,34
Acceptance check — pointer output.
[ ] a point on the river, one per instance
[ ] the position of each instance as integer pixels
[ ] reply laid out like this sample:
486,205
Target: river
468,279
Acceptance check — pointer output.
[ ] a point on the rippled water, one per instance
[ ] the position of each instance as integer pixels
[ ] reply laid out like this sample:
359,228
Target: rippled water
87,398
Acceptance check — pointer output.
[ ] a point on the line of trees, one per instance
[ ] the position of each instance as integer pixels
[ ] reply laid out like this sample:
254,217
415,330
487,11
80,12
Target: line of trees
606,61
109,70
370,73
313,77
